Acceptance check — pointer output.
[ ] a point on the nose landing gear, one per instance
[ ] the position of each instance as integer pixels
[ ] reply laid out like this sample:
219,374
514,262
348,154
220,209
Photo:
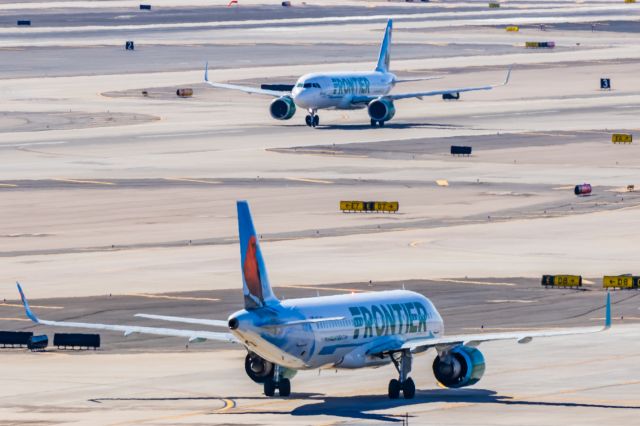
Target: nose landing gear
402,362
312,120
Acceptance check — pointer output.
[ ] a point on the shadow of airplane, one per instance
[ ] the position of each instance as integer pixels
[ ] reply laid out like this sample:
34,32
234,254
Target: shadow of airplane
363,407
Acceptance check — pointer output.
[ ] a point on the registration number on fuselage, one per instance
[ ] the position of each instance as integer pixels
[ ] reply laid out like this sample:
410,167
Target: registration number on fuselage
351,85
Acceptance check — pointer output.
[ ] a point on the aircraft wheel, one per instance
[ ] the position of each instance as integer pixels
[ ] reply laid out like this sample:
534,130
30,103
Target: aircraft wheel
316,120
374,123
284,387
381,123
269,387
409,388
394,389
308,120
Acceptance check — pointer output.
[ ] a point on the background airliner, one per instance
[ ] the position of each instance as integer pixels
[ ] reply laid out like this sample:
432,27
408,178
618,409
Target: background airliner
346,90
344,331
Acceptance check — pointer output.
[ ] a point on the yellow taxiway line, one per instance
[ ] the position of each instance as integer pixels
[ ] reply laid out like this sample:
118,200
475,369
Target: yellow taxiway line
476,282
92,182
309,180
18,305
211,182
15,319
162,296
7,185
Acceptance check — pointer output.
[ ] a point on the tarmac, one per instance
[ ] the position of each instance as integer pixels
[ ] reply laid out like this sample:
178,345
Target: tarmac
115,202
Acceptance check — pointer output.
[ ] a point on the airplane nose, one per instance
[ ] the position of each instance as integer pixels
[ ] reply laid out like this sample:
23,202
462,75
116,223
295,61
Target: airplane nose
302,98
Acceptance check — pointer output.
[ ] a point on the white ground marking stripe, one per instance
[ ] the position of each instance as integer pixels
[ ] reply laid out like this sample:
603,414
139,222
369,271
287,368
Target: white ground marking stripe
309,180
212,182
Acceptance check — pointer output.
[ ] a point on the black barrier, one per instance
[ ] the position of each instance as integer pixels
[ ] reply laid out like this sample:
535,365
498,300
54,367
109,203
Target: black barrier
129,45
460,150
15,338
277,87
79,340
145,7
38,343
451,96
24,22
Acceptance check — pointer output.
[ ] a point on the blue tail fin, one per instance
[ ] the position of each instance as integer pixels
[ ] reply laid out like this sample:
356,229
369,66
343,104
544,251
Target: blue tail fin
384,58
255,282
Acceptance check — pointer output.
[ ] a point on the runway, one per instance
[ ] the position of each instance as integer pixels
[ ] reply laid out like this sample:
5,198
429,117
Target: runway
116,202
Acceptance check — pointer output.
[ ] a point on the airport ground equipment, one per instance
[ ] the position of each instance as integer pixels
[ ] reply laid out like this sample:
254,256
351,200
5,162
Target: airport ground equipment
451,96
631,188
129,45
605,83
372,91
76,340
184,93
621,138
15,338
620,281
369,206
540,44
513,28
38,343
494,5
584,189
562,280
24,22
629,1
343,331
145,7
460,150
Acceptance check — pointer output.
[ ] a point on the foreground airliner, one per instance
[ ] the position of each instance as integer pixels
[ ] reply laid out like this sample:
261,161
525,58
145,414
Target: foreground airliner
344,331
346,90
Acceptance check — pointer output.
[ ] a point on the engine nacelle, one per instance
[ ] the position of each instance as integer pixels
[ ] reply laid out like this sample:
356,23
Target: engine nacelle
257,368
381,109
462,366
282,108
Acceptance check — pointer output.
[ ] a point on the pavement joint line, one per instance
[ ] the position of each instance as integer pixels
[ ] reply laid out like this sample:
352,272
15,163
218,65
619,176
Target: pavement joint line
327,182
163,296
179,179
91,182
348,290
18,305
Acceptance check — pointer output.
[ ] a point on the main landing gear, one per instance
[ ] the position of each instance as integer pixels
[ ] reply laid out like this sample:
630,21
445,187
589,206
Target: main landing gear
277,382
313,119
375,123
402,362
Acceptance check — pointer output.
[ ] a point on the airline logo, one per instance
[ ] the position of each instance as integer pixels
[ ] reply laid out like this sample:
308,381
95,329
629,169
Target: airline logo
350,85
383,320
251,271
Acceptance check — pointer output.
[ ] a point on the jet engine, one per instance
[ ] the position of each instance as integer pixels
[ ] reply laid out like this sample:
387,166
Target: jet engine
257,368
282,108
381,110
462,366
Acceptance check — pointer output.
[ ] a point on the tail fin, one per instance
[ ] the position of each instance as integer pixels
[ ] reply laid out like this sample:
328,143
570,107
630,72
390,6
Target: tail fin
255,282
384,58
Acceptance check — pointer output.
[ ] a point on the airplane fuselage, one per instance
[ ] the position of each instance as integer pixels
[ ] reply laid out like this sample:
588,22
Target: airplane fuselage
337,90
369,322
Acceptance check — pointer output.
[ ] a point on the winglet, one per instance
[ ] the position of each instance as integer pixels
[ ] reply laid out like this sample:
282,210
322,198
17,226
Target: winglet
25,303
206,71
607,318
506,80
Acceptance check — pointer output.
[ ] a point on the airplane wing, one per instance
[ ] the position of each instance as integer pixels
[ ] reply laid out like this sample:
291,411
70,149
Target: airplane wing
211,322
192,335
446,91
421,345
245,89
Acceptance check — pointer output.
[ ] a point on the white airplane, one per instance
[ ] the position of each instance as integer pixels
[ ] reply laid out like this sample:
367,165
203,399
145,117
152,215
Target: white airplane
344,331
346,91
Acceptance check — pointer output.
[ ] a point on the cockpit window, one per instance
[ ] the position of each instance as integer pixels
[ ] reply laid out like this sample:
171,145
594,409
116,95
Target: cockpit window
310,85
299,85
